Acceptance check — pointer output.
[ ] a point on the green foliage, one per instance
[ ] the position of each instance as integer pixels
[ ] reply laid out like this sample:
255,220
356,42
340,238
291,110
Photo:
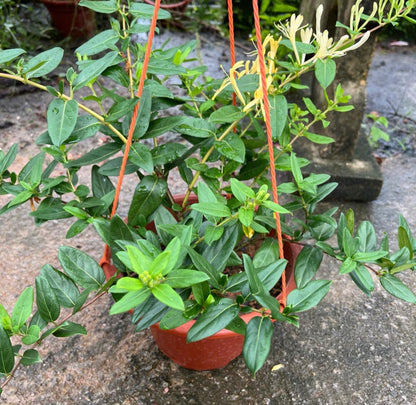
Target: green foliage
187,258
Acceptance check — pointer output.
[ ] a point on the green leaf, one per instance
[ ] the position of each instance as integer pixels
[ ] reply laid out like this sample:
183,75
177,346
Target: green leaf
348,266
325,72
8,158
145,11
50,208
241,191
147,197
6,353
95,68
81,268
303,299
255,284
196,127
62,117
69,329
160,126
362,278
30,356
46,300
105,7
369,256
202,264
232,147
218,252
100,42
32,335
143,115
168,296
130,300
367,236
278,115
217,209
5,320
167,153
245,216
226,114
141,156
8,55
64,288
43,63
216,317
294,164
396,288
96,155
32,171
319,139
185,278
259,333
22,308
307,264
404,240
268,253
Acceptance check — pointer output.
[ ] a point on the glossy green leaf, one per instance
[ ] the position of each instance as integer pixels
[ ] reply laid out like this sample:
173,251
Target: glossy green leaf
6,353
226,114
98,43
348,266
22,308
219,251
367,235
32,171
325,71
145,11
32,335
46,300
215,318
185,278
126,284
51,208
232,147
105,7
83,269
130,300
362,278
202,264
396,288
303,299
43,63
278,115
147,197
404,240
257,342
8,158
30,356
65,289
141,156
7,55
241,191
255,284
214,209
5,320
143,116
166,294
167,153
96,155
307,264
95,68
70,329
196,127
162,125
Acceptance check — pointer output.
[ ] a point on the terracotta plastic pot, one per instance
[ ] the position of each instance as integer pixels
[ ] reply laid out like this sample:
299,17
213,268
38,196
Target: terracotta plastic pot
217,350
70,19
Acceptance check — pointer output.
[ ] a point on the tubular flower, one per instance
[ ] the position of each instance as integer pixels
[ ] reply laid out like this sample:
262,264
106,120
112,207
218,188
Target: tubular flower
270,46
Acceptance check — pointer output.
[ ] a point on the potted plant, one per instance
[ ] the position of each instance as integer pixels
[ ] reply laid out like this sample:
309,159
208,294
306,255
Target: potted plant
70,19
212,258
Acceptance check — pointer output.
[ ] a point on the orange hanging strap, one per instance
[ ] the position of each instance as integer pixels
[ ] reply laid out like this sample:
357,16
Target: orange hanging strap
269,137
232,44
106,255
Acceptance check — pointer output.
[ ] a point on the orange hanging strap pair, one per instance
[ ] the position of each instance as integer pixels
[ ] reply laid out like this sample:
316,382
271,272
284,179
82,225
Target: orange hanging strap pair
269,137
106,256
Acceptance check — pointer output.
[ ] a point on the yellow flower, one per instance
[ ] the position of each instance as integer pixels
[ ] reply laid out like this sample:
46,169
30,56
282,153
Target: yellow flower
241,68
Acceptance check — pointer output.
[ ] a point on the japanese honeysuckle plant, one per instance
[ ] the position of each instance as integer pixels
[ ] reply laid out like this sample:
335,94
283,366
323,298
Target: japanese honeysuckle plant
172,254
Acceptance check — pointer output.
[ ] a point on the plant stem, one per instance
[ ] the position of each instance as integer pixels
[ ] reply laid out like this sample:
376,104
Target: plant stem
64,97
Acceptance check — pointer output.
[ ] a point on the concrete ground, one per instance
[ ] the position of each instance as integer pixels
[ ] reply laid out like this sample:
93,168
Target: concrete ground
349,350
